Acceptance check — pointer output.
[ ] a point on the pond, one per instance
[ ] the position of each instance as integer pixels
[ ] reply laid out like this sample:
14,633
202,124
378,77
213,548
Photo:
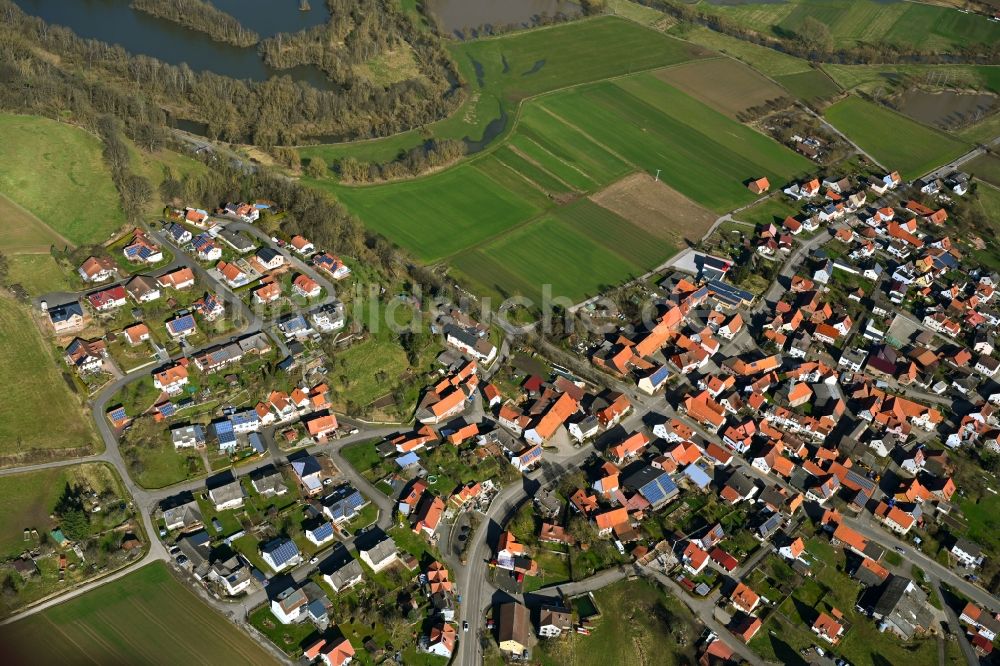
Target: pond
461,16
113,21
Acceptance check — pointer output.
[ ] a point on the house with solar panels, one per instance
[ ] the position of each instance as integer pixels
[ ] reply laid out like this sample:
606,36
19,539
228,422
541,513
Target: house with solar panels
209,307
655,380
181,326
142,250
224,433
280,554
655,485
294,326
178,234
118,417
187,436
344,503
245,422
206,248
320,534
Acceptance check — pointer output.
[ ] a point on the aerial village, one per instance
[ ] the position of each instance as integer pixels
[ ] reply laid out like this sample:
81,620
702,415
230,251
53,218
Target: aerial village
786,461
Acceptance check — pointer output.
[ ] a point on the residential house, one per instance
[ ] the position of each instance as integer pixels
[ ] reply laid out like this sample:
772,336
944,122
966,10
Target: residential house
269,258
967,553
181,326
187,436
380,555
227,496
66,317
97,269
743,598
86,356
280,554
107,300
332,265
828,628
142,289
288,605
553,621
305,286
344,576
180,278
142,250
302,246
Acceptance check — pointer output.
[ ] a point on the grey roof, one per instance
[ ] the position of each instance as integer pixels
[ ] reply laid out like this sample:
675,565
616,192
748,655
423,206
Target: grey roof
382,550
268,480
969,547
226,493
903,606
189,514
346,572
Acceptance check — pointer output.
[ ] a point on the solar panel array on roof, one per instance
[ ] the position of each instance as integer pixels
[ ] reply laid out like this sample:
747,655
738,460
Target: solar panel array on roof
167,409
323,532
248,417
770,525
862,481
661,489
181,324
345,507
117,414
728,293
281,551
224,431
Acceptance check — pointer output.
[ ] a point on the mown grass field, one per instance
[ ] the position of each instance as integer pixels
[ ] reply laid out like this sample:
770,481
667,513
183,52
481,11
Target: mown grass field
145,617
502,71
893,139
505,218
44,416
22,232
923,26
56,172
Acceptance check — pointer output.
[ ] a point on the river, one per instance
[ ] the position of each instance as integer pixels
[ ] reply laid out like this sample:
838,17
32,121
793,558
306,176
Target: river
113,21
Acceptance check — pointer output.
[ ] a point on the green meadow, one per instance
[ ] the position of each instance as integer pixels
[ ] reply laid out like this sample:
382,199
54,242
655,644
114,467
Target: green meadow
893,139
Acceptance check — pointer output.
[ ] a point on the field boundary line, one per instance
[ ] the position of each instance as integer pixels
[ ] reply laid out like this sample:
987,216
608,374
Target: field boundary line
520,153
561,160
40,223
523,177
589,137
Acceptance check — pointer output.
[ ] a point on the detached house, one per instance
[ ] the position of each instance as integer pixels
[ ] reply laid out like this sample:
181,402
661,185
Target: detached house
86,355
305,286
142,250
181,278
97,269
108,299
